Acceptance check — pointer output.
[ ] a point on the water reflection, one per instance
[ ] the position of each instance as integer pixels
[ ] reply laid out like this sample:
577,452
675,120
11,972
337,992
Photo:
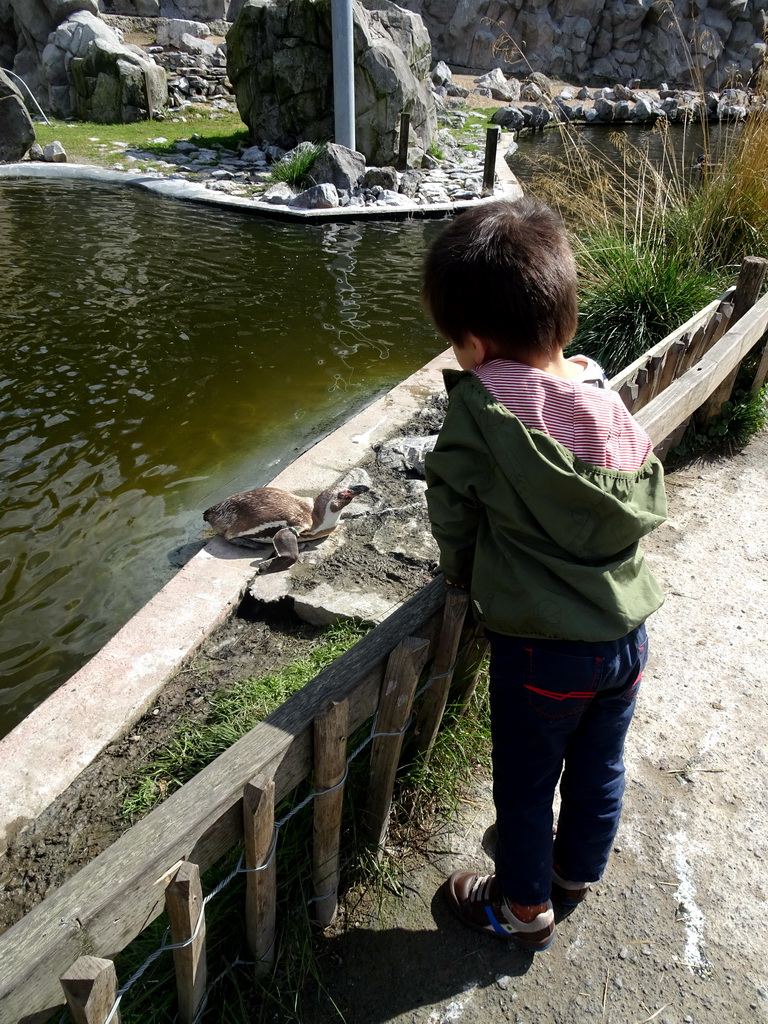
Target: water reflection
156,357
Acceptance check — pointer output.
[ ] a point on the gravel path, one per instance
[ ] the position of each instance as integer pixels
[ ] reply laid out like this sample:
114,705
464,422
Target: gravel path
676,931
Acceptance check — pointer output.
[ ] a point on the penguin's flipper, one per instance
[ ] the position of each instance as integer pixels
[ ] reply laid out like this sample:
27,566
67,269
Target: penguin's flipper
286,552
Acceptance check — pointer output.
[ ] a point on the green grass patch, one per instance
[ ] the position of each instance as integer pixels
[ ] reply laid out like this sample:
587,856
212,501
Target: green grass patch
233,712
633,292
91,143
426,796
295,167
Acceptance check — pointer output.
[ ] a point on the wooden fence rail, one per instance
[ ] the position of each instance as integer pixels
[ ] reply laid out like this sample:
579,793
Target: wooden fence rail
76,931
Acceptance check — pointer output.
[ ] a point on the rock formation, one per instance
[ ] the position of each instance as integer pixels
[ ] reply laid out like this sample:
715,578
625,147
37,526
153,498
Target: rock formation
707,44
280,64
16,130
75,64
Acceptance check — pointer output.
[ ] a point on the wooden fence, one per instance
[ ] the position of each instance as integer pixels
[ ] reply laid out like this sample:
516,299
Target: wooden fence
64,946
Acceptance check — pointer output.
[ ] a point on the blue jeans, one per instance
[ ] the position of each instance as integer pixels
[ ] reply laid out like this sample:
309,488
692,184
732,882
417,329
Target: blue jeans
559,706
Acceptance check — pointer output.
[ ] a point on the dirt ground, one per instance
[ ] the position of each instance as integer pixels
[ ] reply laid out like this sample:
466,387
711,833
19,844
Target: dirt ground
87,817
674,933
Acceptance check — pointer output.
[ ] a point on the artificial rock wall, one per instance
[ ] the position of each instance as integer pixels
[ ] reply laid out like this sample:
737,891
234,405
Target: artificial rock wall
681,42
280,63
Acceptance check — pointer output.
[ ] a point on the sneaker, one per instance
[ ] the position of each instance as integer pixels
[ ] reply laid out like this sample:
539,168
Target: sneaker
477,901
569,893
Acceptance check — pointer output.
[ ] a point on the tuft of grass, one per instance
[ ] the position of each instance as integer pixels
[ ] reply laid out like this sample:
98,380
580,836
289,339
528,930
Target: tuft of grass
740,418
633,291
295,166
233,712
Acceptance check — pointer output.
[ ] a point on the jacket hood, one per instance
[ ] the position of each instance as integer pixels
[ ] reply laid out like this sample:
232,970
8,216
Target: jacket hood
608,511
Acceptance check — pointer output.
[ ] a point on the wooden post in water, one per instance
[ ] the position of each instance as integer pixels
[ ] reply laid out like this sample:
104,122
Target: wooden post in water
489,166
261,886
397,692
436,697
184,903
330,765
751,277
90,988
405,132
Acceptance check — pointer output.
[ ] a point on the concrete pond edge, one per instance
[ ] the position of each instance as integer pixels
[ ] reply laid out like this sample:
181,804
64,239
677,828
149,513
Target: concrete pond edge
46,752
196,192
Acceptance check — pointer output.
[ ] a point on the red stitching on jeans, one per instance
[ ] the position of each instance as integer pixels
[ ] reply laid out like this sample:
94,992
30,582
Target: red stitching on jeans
561,696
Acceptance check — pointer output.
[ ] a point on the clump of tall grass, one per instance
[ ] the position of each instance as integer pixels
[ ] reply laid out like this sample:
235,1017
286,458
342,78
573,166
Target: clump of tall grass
295,166
655,240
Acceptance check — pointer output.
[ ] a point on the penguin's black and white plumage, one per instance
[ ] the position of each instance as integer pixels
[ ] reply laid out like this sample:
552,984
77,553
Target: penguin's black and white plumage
270,515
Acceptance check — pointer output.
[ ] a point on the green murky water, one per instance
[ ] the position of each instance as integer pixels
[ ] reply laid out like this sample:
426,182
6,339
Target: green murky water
156,357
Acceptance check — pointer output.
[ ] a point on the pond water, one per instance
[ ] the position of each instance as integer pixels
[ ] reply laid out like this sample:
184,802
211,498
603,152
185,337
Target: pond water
156,357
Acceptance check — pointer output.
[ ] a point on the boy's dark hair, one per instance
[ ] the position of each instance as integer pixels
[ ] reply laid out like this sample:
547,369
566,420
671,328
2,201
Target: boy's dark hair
504,272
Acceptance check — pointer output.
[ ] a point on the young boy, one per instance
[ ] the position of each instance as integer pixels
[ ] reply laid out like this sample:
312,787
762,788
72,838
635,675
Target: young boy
539,489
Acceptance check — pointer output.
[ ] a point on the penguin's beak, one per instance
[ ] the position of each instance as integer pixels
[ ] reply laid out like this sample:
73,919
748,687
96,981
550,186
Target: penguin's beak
357,489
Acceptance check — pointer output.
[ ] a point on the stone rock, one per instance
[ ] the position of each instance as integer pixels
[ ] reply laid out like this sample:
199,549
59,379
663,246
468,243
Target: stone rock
587,40
107,81
36,152
409,182
386,177
54,153
387,197
318,197
511,118
193,44
536,116
499,86
441,74
644,109
279,62
339,166
543,81
17,132
509,153
604,109
327,603
531,91
279,194
170,31
254,155
406,454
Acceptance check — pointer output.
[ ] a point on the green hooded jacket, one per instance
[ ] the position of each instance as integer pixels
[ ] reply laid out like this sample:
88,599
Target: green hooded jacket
549,544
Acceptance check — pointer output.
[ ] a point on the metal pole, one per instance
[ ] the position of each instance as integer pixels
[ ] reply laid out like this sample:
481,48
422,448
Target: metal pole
343,73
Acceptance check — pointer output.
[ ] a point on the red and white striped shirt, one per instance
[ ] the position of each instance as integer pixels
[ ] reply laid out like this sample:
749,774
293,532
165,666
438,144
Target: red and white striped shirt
592,422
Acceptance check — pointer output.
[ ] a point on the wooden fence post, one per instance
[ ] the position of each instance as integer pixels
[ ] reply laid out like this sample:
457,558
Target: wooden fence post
90,988
184,903
397,692
489,164
261,886
330,765
436,697
751,277
473,650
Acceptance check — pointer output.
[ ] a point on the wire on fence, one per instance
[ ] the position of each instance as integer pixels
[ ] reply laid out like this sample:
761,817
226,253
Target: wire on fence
164,946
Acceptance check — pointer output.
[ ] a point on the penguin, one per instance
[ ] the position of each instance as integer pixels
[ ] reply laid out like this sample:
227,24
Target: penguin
269,514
